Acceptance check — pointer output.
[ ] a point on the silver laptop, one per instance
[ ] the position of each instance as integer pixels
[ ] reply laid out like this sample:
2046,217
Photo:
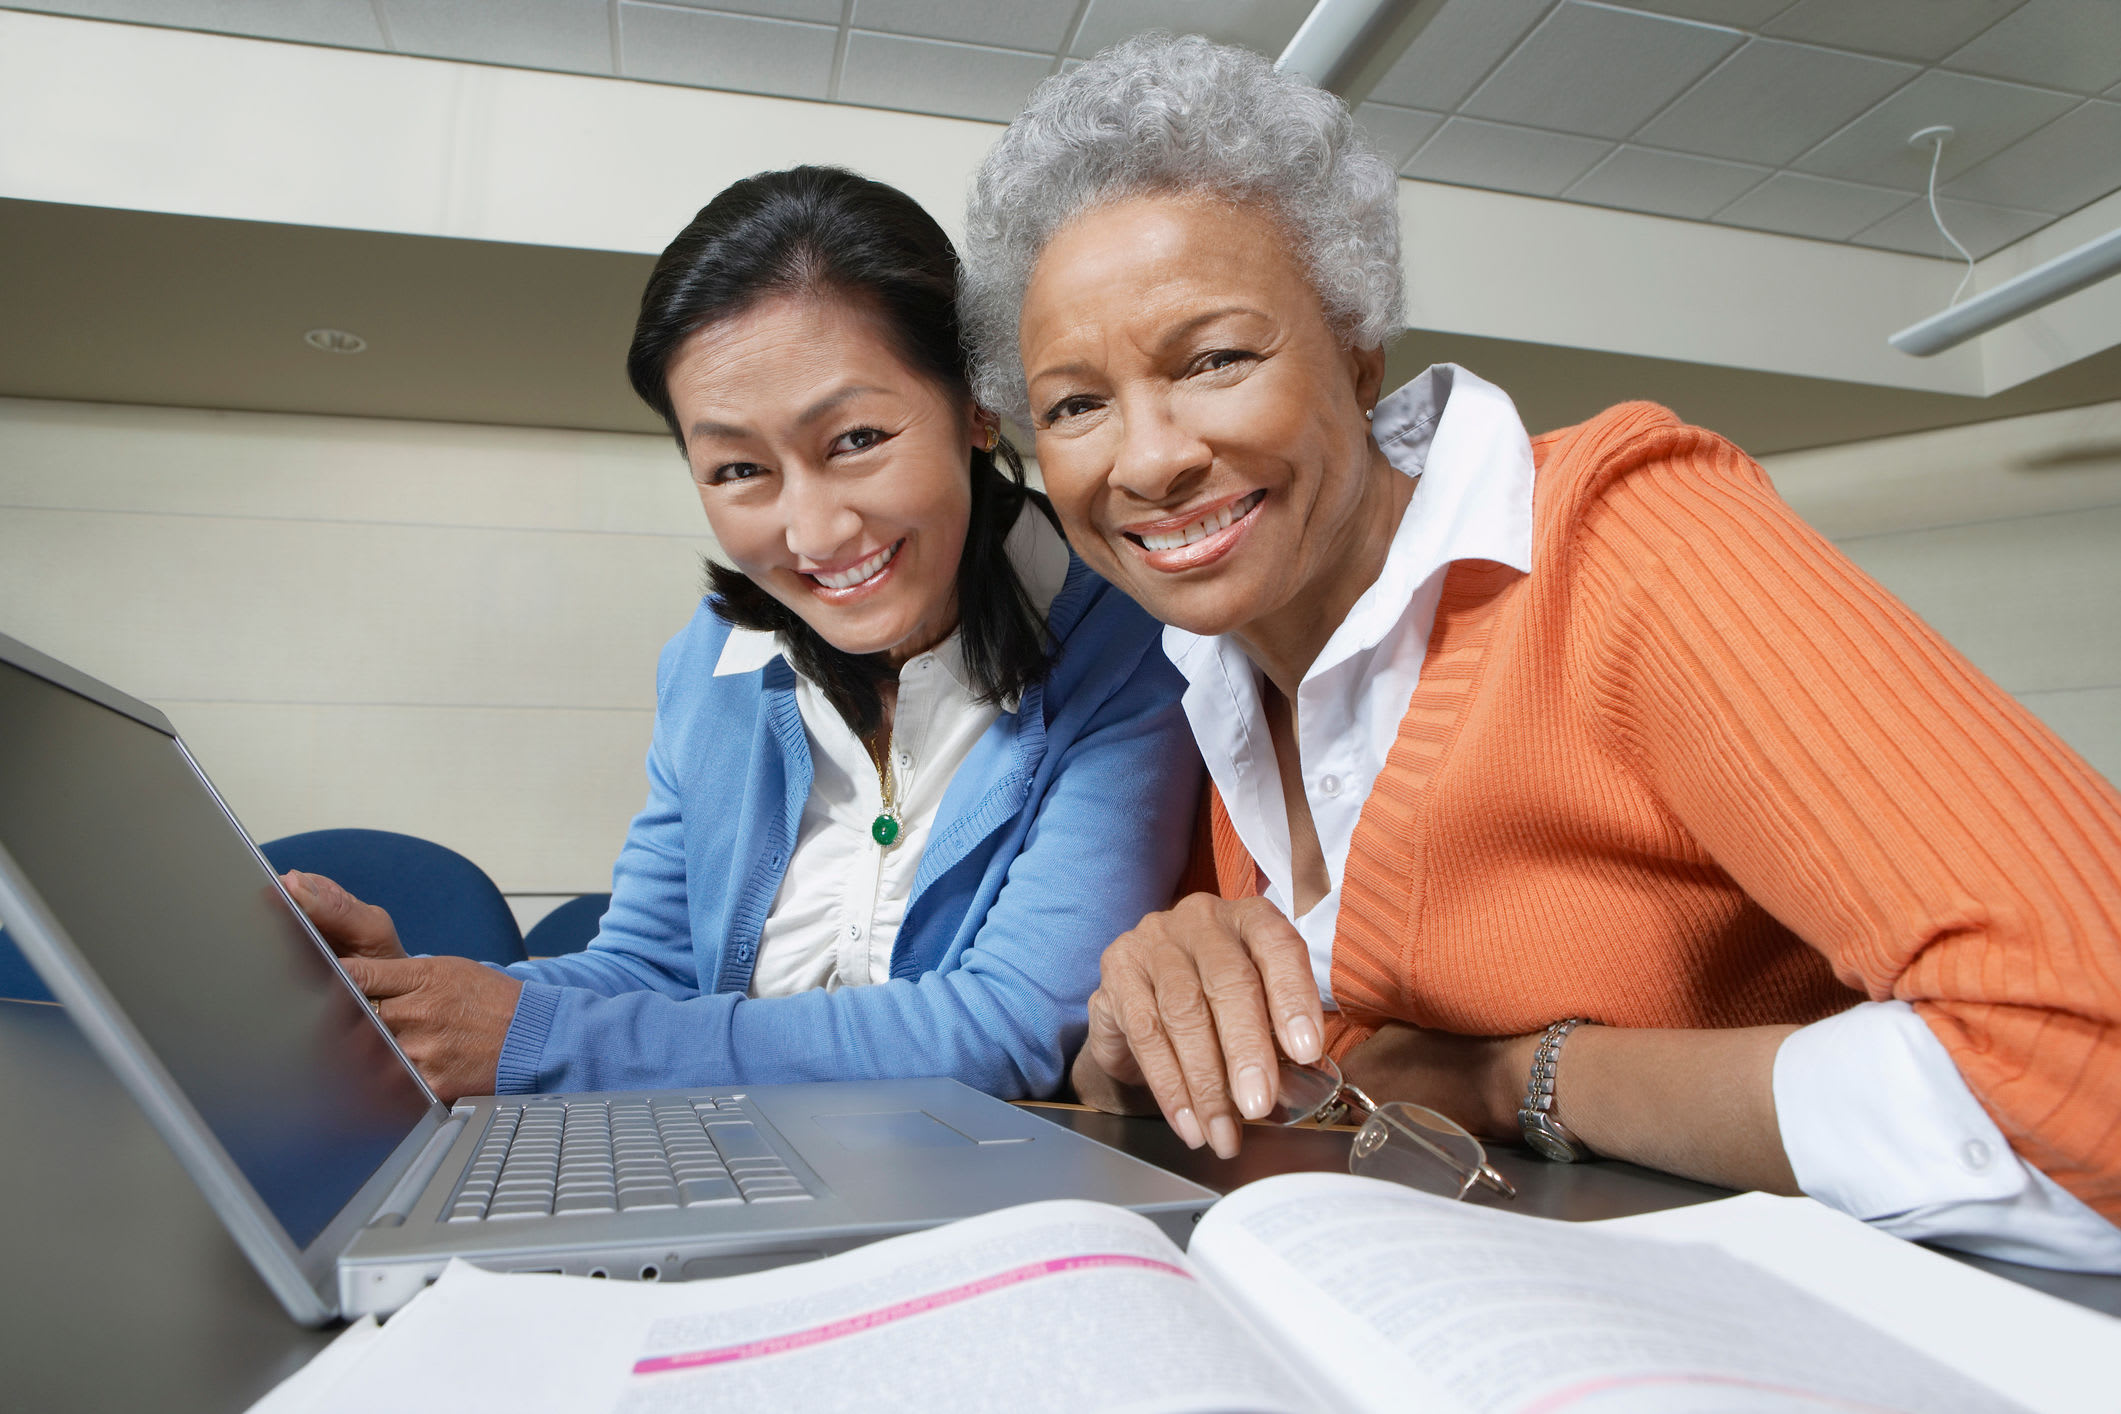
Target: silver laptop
154,919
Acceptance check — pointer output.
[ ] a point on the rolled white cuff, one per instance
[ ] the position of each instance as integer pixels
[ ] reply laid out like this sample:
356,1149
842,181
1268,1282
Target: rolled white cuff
1878,1123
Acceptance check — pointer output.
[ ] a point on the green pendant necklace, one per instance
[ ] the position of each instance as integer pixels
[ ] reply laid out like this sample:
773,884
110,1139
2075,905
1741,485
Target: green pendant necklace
884,828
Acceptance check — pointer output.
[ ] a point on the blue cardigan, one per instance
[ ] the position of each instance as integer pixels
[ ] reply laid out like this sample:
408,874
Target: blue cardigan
1068,821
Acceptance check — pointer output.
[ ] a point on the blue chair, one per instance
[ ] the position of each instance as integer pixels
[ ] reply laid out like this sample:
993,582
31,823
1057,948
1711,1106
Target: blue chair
441,901
19,981
568,928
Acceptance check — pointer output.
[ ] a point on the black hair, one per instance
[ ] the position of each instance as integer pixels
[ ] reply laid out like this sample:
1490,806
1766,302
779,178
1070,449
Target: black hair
827,231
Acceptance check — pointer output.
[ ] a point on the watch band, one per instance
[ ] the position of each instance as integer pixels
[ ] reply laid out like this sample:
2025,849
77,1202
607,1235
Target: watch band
1535,1117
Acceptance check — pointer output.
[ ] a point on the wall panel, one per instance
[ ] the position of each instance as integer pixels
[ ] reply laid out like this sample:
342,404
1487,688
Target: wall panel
445,630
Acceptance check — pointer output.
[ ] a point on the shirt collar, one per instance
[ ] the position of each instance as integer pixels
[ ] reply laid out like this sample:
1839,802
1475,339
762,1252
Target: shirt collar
1461,435
1035,550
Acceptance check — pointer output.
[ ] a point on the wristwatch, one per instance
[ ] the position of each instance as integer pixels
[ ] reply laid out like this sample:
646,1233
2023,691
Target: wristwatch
1535,1118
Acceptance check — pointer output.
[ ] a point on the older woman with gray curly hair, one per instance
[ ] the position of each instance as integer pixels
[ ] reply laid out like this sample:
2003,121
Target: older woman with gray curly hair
1568,784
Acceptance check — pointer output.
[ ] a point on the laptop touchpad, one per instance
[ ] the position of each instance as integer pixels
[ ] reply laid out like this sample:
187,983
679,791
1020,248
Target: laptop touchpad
890,1129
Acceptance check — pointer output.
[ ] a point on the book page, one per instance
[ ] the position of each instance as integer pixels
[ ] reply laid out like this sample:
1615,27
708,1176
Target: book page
1060,1306
1443,1305
2043,1352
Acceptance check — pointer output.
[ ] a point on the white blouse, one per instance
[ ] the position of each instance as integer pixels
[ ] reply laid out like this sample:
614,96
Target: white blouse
837,915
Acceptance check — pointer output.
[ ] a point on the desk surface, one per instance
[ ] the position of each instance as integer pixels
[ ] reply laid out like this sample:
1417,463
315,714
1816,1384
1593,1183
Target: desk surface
122,1291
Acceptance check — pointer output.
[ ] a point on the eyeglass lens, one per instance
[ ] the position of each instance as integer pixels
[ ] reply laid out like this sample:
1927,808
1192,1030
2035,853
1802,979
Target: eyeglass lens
1306,1090
1393,1144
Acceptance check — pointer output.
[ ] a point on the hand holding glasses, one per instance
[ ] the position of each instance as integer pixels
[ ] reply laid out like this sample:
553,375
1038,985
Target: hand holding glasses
1398,1141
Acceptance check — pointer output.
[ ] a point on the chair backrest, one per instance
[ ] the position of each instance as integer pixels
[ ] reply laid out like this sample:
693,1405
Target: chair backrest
569,928
19,981
441,901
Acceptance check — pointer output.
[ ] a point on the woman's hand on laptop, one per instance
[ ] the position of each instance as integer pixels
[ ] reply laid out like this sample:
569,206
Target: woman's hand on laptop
449,1014
1189,1006
351,927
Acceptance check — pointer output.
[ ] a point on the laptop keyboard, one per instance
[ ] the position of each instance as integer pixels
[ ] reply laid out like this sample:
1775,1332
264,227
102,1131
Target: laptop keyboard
596,1156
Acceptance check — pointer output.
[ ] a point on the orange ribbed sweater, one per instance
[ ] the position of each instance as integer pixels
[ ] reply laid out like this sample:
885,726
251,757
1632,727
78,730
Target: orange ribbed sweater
1697,770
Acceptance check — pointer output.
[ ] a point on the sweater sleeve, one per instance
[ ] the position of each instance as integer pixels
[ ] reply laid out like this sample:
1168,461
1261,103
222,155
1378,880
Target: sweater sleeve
1862,781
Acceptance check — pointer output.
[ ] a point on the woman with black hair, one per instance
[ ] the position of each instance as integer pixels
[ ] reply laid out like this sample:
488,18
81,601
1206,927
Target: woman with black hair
914,765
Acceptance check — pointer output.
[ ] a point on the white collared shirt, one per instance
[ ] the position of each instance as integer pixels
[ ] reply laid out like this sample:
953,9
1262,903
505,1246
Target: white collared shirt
1874,1116
836,918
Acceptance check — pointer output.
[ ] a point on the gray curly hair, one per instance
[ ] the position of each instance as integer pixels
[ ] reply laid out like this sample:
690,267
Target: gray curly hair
1164,114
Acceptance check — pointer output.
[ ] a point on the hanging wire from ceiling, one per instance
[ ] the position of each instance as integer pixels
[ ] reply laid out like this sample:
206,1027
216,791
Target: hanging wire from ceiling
1937,136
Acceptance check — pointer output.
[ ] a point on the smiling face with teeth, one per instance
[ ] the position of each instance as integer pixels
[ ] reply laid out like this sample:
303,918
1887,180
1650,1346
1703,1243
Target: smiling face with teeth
835,476
1201,428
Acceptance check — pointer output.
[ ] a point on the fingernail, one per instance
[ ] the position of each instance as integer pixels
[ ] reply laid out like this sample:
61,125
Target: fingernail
1252,1101
1188,1128
1303,1039
1222,1136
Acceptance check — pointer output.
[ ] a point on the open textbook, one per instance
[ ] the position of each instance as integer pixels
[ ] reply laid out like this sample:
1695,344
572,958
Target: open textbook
1308,1292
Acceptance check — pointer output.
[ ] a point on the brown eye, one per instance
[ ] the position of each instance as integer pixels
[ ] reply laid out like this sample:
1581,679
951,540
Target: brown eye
859,439
1068,407
733,471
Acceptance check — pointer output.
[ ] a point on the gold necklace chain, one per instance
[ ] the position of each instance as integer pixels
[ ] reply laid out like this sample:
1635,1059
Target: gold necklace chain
884,829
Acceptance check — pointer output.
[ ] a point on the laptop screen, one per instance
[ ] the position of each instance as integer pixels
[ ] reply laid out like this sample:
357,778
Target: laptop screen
165,900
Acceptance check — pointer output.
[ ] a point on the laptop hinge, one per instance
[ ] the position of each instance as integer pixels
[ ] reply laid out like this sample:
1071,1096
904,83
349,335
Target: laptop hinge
413,1182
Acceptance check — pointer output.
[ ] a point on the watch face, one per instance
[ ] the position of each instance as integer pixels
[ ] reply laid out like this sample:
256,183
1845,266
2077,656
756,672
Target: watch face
1539,1133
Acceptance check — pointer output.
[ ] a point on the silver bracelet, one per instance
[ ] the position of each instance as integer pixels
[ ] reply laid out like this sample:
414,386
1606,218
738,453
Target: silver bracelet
1535,1117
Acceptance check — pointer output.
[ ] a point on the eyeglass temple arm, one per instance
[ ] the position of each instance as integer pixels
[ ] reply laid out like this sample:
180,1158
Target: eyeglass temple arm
1483,1174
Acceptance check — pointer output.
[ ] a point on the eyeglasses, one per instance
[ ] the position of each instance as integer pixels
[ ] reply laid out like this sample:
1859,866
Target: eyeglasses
1398,1141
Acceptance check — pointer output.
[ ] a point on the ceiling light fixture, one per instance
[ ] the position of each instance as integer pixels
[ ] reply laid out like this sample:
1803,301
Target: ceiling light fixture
334,341
2066,274
2042,285
1328,40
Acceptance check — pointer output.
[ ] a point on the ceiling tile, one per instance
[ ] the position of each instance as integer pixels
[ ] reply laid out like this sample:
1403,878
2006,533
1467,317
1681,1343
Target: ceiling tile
1905,29
1455,50
347,22
1265,26
675,45
1598,72
824,12
530,34
2072,44
1743,14
2073,160
1773,100
1983,230
1989,116
1811,206
929,76
1665,183
1471,153
1396,131
1012,24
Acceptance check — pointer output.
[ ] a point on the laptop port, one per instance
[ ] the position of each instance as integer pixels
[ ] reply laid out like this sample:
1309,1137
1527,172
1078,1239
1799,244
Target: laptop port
651,1272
